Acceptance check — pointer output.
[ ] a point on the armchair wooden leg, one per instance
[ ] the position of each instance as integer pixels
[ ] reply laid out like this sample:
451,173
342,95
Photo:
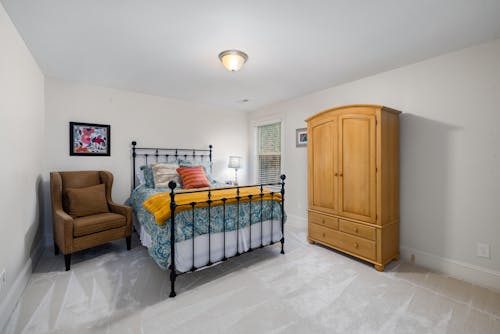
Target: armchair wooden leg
129,242
56,249
67,261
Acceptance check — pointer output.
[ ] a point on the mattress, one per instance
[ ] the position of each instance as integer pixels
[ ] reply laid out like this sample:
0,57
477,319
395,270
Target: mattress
271,233
235,220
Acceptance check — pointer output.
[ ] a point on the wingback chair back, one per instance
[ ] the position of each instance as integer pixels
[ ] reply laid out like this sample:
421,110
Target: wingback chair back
71,233
80,179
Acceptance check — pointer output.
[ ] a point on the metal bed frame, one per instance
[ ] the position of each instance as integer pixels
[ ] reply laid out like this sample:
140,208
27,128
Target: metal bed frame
166,153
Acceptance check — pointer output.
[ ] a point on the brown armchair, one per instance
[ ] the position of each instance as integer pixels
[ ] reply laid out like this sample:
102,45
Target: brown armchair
75,233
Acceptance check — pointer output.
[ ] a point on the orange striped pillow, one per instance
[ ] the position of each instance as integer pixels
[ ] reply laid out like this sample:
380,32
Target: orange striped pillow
193,177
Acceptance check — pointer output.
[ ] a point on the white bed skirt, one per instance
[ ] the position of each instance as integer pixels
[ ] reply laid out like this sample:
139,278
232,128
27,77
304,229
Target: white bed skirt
184,249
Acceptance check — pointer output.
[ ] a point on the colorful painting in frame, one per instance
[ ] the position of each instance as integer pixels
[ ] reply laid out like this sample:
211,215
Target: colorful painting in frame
301,137
87,139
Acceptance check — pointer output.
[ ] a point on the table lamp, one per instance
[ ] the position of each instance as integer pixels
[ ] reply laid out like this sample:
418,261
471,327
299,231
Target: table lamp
235,162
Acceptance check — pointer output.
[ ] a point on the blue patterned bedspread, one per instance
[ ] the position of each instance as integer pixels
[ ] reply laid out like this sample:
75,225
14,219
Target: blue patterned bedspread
160,234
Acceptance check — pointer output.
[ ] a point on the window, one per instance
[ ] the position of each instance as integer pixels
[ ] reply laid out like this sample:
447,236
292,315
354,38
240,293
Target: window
268,153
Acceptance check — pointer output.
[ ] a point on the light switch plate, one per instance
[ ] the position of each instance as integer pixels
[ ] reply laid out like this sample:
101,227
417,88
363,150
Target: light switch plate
3,280
483,250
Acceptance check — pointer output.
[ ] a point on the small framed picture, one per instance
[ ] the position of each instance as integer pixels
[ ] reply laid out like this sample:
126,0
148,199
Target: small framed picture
87,139
301,137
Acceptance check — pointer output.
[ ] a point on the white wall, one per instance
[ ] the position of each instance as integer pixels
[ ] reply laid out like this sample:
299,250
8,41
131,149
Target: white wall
450,155
22,138
150,120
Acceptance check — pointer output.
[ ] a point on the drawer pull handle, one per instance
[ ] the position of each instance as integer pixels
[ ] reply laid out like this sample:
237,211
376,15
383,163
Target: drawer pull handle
356,230
324,236
323,221
356,245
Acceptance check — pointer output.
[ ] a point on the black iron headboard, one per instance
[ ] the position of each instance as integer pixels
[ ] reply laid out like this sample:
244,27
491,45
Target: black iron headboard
159,154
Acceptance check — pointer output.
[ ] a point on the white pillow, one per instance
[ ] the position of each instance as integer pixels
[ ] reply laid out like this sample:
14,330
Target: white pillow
164,173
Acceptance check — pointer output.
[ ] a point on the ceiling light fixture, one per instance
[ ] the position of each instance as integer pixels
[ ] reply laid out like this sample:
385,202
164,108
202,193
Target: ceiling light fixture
233,60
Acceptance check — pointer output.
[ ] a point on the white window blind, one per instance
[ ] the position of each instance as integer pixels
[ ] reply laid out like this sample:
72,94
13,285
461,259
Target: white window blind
268,153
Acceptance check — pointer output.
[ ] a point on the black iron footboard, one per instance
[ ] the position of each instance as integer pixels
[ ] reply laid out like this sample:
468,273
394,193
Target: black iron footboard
140,155
208,204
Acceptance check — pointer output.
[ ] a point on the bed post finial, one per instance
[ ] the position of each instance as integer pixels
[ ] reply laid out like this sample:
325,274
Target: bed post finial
133,163
210,156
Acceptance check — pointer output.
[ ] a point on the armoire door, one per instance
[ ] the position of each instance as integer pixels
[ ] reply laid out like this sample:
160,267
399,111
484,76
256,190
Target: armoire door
357,166
323,189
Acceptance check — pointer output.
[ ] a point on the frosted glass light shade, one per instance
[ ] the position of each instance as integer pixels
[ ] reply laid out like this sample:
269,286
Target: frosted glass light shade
234,162
233,60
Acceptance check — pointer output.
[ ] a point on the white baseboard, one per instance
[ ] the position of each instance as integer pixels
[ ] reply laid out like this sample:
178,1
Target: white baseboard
15,291
468,272
295,217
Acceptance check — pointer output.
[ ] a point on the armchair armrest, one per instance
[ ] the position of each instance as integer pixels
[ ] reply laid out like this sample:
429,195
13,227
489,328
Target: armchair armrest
122,210
107,179
62,218
62,222
63,230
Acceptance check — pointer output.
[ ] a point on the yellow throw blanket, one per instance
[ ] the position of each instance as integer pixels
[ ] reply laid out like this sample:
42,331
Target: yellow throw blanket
159,204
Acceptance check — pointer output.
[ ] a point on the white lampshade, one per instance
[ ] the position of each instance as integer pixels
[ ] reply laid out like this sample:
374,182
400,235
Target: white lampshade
234,162
233,60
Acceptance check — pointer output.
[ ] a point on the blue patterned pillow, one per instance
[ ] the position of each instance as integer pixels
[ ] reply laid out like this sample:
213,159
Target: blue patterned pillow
148,176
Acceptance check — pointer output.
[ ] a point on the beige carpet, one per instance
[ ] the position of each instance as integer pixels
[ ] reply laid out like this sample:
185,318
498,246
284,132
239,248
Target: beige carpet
308,290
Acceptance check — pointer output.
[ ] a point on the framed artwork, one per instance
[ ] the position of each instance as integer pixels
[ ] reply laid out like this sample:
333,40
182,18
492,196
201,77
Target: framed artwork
87,139
301,137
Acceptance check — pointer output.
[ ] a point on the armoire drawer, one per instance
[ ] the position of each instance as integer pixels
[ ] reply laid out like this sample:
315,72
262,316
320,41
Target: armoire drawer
360,246
356,229
324,220
343,241
324,234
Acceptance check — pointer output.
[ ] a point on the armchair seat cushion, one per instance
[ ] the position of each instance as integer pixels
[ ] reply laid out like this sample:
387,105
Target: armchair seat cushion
97,223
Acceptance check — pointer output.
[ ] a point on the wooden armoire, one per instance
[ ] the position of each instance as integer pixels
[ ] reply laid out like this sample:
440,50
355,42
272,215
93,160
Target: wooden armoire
353,176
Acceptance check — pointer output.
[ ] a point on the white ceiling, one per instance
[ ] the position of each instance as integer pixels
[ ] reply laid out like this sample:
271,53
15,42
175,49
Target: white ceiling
170,48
